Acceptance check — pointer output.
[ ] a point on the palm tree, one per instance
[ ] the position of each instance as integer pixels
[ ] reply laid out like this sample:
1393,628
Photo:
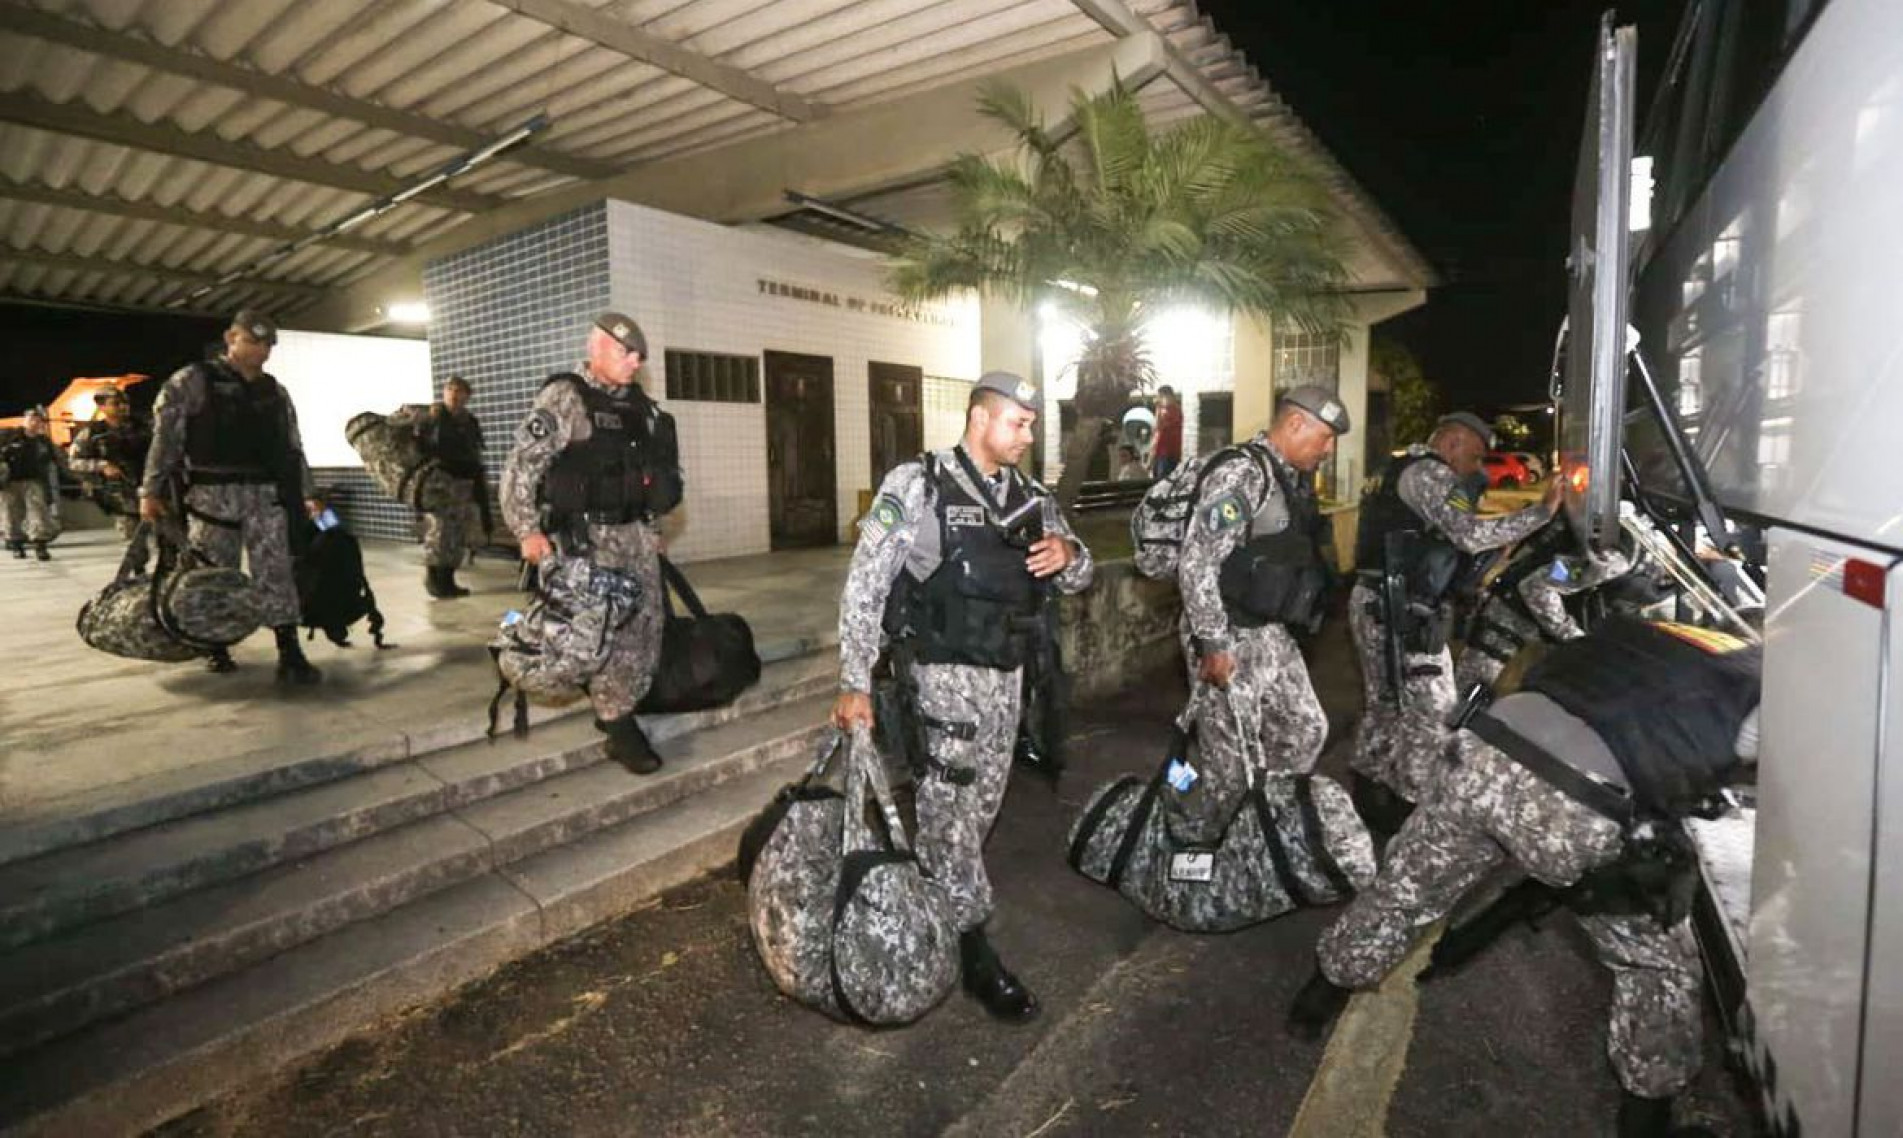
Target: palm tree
1112,223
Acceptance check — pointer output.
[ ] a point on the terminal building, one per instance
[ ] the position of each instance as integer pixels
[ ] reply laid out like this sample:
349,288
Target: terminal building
728,177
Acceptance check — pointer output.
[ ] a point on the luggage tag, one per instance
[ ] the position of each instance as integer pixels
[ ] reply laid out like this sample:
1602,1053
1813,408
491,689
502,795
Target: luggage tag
327,520
1181,776
510,618
1196,866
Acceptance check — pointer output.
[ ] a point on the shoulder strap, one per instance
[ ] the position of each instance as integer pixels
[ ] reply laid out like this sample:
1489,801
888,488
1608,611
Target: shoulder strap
673,579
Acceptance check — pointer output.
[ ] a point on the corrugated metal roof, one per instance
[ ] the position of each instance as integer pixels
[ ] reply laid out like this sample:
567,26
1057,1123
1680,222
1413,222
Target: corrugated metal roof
147,146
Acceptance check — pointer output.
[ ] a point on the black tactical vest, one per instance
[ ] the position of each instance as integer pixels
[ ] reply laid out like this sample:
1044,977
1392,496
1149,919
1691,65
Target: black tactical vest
1668,701
27,457
242,434
626,470
455,441
1280,573
981,605
1432,564
124,446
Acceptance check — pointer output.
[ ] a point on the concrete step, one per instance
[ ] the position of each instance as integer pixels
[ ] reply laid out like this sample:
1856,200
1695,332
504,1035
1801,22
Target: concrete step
55,986
68,888
133,1073
124,807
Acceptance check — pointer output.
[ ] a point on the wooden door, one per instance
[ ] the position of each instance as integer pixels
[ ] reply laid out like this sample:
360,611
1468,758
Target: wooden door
803,508
898,415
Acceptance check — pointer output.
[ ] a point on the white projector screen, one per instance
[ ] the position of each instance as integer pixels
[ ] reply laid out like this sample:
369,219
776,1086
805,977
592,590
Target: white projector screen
332,377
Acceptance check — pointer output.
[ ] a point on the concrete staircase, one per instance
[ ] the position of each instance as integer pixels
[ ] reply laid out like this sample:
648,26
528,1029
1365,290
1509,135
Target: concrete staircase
149,969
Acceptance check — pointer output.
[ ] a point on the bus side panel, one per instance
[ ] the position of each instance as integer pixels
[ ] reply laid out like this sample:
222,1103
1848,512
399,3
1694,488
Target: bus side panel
1804,972
1771,311
1881,1111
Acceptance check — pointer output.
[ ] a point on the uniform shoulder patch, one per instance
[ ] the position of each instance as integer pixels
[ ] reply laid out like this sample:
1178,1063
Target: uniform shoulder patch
886,515
1460,499
538,426
1226,512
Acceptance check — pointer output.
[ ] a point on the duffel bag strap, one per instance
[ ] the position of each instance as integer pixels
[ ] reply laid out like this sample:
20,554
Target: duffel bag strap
1278,856
1317,837
673,580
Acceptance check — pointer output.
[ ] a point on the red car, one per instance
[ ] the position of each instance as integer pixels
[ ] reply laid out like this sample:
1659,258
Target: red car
1507,472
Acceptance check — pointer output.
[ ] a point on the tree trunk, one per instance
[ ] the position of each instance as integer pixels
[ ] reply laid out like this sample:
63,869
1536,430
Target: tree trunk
1089,435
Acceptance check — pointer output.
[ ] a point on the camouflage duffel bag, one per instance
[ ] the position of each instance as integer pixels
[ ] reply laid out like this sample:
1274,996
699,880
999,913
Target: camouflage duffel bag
394,458
843,918
549,653
1292,840
185,608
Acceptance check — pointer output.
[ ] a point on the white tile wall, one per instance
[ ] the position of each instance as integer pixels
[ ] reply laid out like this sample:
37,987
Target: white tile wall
693,286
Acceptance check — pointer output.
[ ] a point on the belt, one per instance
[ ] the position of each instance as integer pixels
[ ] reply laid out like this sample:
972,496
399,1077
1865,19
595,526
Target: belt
201,477
1602,798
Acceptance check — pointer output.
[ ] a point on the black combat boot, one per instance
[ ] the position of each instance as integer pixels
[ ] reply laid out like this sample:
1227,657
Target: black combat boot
1316,1006
1652,1118
39,551
293,668
990,983
219,661
18,548
433,583
628,745
449,583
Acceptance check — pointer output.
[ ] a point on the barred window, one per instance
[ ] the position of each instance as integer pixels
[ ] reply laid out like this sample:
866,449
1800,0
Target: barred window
708,377
1304,358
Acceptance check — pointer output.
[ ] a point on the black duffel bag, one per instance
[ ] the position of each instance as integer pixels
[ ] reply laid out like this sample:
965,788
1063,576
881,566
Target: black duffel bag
707,659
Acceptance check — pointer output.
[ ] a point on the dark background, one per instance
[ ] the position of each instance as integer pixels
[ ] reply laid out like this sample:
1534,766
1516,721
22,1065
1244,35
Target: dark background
1462,119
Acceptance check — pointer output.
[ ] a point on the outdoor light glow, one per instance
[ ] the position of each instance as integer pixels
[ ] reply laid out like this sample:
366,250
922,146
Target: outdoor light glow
1578,478
408,312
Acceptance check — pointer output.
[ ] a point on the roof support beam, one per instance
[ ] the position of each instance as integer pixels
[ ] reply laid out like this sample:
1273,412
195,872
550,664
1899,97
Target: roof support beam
160,272
130,48
123,130
747,180
188,218
617,35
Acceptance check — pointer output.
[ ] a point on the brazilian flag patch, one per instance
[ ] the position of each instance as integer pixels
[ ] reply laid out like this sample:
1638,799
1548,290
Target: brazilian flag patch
1226,512
886,515
1460,500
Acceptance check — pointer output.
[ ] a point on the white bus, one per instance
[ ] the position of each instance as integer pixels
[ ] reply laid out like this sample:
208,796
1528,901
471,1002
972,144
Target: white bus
1766,298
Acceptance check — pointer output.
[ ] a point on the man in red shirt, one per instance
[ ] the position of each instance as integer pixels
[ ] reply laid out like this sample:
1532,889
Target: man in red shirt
1166,449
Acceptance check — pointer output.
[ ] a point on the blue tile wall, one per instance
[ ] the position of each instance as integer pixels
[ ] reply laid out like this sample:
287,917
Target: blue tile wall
504,315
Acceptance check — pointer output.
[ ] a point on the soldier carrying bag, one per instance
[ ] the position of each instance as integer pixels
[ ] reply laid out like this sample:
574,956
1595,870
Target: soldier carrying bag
707,659
551,652
396,459
1292,840
843,918
184,609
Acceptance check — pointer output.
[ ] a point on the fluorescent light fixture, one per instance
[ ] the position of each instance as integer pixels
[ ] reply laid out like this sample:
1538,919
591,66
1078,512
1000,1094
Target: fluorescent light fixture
408,312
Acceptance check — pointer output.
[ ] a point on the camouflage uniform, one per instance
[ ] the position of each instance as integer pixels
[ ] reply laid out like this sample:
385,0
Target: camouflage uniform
99,445
1545,617
1491,810
555,420
901,535
1271,689
29,501
228,521
454,437
1405,746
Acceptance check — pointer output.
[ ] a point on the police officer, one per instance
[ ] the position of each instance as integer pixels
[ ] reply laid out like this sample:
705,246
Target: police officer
589,476
1421,505
945,563
1257,561
1526,603
226,433
29,501
452,436
1580,779
111,451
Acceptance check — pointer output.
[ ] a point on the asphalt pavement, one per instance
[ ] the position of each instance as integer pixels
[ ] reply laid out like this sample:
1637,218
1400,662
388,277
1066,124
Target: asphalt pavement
663,1023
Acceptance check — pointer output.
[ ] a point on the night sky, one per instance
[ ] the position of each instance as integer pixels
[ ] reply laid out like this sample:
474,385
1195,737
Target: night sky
1463,120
